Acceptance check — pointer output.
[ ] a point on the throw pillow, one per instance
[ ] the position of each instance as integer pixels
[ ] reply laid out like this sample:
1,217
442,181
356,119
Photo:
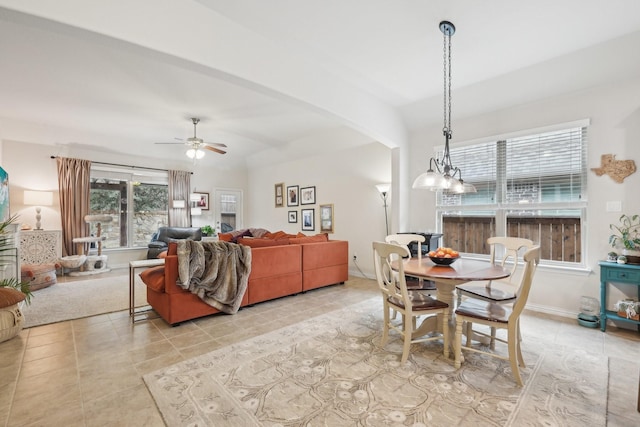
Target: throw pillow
225,237
261,243
10,296
154,278
245,233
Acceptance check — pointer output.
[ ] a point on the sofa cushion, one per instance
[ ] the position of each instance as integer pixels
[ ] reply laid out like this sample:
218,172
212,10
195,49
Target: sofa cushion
154,278
245,233
318,238
225,237
260,243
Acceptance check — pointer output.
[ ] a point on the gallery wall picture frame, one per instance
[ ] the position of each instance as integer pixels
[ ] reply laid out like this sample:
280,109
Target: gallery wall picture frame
279,192
308,219
293,217
202,202
326,218
293,195
308,195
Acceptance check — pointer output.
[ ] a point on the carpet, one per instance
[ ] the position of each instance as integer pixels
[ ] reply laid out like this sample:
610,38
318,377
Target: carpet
331,371
82,298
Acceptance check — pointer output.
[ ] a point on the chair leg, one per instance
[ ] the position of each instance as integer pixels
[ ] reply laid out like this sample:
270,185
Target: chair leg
469,333
512,344
408,332
445,334
519,347
457,345
385,329
492,342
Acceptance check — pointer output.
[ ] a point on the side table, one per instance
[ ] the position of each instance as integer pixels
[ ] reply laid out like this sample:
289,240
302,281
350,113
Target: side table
611,272
133,266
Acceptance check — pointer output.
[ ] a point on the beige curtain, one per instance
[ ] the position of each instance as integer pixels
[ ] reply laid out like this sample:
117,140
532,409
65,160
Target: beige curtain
179,189
74,185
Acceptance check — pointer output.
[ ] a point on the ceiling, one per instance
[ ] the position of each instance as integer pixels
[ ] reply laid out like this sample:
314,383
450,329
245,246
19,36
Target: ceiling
282,79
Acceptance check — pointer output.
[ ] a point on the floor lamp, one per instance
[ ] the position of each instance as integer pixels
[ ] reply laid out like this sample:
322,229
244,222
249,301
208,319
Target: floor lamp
384,192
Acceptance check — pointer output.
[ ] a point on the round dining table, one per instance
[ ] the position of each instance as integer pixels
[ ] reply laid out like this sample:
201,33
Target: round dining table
446,279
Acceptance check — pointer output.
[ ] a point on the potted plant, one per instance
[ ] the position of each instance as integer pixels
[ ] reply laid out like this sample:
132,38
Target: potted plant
207,230
627,236
7,249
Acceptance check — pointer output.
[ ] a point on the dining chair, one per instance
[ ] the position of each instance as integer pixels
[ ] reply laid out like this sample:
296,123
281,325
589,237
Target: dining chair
498,291
410,304
500,316
413,283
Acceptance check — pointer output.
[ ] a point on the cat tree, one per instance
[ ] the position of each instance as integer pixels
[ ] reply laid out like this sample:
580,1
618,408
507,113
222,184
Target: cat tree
90,263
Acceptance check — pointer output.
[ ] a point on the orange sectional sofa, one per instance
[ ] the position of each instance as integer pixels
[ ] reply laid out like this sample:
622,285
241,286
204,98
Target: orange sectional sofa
276,271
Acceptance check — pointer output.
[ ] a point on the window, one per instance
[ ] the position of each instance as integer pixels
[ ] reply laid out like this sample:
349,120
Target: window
532,186
136,199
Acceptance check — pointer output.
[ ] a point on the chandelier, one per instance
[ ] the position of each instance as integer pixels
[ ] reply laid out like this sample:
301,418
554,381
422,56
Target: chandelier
442,175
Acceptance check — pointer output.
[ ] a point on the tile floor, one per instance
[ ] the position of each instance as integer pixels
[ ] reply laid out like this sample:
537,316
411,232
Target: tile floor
88,372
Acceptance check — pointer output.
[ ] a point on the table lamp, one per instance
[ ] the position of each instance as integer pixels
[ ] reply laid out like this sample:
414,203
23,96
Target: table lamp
38,199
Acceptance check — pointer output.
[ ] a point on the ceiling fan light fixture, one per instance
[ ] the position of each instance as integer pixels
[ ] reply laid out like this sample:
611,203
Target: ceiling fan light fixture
195,153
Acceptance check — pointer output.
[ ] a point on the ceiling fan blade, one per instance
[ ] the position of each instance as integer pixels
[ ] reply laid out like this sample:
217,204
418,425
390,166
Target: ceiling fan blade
216,144
206,147
171,143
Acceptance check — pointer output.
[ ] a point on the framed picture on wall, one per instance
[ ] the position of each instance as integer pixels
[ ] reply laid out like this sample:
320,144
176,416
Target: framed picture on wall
292,195
308,219
308,195
279,190
293,216
201,200
326,218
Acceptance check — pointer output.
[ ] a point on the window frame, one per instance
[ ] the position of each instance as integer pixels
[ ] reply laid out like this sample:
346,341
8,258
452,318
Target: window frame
504,209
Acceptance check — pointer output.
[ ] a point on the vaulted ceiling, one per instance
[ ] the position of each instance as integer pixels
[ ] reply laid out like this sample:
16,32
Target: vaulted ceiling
282,79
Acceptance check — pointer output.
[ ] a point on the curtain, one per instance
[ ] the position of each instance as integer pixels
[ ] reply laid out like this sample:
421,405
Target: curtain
179,189
73,185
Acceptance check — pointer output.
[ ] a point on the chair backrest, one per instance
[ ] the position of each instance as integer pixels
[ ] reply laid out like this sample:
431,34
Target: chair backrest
531,260
405,239
509,248
391,284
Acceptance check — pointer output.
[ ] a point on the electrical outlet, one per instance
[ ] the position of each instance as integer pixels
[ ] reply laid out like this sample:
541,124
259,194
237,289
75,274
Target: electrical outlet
355,257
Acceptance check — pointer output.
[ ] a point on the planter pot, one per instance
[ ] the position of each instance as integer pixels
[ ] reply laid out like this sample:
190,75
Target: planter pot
633,256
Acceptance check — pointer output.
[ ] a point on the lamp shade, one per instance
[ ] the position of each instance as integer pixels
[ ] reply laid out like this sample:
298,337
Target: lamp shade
179,204
383,188
196,211
195,153
38,198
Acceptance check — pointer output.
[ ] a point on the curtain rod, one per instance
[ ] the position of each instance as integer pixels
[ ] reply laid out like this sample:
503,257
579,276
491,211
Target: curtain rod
125,166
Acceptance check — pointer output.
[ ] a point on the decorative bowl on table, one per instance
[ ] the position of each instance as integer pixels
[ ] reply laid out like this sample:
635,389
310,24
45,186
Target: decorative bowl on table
443,261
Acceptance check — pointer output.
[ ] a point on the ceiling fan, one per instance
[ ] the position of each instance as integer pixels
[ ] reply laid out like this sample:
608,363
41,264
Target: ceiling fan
196,145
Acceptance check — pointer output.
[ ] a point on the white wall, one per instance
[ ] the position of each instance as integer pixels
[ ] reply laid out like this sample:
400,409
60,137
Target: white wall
614,111
345,178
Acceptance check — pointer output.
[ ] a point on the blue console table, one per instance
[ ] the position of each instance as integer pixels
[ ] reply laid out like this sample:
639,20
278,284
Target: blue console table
611,272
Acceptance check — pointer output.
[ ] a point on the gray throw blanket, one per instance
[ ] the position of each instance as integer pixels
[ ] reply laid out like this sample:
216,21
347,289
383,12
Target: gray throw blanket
217,272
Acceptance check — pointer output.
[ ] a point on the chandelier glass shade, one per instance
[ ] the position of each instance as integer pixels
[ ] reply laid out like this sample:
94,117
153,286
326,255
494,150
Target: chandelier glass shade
442,175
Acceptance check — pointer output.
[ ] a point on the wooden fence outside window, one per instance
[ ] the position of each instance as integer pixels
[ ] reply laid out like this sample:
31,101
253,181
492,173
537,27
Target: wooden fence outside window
559,238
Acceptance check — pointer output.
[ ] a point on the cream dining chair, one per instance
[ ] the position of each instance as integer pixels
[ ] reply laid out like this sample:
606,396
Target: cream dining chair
397,297
413,283
499,291
500,316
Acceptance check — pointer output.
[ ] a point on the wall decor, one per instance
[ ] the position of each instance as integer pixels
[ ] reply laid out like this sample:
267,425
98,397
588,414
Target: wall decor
202,202
292,195
618,170
293,216
308,195
308,219
4,195
279,190
326,218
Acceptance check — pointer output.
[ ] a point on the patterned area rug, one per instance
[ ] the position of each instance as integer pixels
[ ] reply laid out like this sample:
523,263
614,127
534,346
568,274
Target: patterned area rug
331,371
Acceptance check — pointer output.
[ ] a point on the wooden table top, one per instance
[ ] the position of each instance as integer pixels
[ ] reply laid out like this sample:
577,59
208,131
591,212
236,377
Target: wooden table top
462,269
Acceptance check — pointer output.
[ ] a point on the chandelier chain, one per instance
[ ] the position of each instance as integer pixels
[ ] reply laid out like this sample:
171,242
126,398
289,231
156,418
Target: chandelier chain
446,54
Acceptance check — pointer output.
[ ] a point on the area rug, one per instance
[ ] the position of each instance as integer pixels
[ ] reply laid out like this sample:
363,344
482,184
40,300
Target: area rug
82,298
331,371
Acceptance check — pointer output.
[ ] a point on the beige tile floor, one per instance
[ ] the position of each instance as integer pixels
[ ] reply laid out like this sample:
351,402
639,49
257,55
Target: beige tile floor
88,372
